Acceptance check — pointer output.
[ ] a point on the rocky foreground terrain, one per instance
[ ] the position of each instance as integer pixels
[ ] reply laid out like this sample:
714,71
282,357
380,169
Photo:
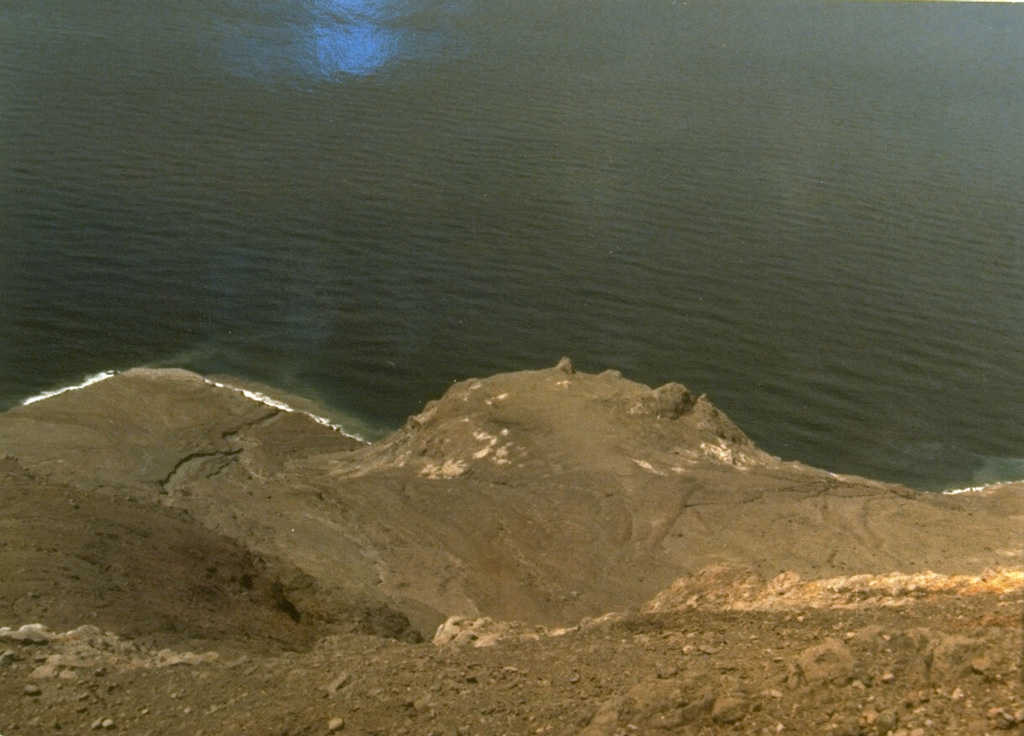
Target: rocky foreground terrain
535,552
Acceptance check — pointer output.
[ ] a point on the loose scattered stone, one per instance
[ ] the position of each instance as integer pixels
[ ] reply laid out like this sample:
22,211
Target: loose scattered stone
666,671
33,691
44,671
604,723
846,726
339,682
1003,718
886,721
956,657
170,658
335,724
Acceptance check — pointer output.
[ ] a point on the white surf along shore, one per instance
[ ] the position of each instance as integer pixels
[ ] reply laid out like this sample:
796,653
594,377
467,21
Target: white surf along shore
247,393
283,406
58,391
268,401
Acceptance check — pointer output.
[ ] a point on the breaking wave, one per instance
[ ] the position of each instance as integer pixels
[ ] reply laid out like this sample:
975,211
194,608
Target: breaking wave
57,392
247,393
282,406
994,471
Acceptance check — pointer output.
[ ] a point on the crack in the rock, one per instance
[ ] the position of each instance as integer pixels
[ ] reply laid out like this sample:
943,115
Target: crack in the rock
194,456
233,433
226,455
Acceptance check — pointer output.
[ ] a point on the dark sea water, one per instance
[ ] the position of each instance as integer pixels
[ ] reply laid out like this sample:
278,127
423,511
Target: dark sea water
812,211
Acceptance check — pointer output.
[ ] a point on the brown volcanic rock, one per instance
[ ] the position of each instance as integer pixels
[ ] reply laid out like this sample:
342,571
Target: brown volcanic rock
144,440
69,557
174,512
565,494
137,429
927,668
541,496
739,588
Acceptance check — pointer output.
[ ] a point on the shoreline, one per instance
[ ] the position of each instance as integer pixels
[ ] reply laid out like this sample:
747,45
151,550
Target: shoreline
256,396
266,400
95,378
980,489
283,406
544,496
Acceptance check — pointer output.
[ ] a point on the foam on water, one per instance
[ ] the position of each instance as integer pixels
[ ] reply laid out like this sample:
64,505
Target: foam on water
994,471
972,489
282,406
57,392
984,486
976,489
251,395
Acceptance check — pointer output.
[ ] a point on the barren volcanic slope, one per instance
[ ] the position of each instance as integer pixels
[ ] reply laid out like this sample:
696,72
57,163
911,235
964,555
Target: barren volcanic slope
170,511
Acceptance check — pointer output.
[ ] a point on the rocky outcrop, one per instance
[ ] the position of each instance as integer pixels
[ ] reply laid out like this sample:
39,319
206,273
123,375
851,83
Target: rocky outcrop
944,665
740,588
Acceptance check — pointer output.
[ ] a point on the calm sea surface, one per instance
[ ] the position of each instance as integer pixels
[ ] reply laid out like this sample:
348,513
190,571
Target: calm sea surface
812,211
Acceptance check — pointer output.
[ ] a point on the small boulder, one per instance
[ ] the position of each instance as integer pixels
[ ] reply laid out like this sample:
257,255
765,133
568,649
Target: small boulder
483,632
828,662
44,671
729,709
670,401
673,400
27,634
338,683
955,657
